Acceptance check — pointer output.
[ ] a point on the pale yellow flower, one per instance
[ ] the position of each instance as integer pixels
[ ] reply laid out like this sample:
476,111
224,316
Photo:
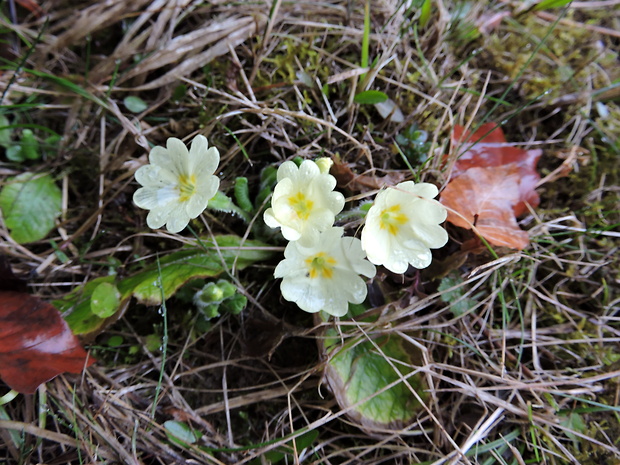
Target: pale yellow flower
403,225
326,275
178,183
303,202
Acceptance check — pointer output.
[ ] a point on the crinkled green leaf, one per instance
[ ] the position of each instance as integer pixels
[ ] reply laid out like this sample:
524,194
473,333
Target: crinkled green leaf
359,370
105,300
30,203
173,272
180,267
222,203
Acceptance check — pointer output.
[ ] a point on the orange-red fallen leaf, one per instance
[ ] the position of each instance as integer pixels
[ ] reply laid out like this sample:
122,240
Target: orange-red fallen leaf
485,198
491,149
32,6
36,344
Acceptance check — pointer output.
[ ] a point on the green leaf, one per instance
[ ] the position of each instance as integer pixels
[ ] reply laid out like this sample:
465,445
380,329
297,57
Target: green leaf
366,36
236,304
135,104
425,12
115,341
181,433
105,300
191,263
14,153
30,203
548,4
242,194
459,303
153,342
80,317
358,372
574,421
370,97
5,132
168,276
278,454
222,203
67,85
179,92
30,145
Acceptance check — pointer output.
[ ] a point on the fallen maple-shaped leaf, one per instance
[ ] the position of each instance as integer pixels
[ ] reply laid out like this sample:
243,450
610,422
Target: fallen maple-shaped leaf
484,198
492,183
35,343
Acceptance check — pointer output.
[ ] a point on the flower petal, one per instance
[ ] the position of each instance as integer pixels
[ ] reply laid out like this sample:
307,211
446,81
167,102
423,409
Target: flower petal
177,220
167,160
288,169
206,163
158,216
155,176
197,149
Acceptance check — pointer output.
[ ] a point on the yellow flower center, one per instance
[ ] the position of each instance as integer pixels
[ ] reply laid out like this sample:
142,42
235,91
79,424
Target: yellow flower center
301,205
392,219
187,186
320,265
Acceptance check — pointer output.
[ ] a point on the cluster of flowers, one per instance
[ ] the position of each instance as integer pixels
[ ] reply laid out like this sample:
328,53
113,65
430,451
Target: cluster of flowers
321,269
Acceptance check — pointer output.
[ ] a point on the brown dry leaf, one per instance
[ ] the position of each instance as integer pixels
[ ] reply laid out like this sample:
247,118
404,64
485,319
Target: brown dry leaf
487,147
485,198
347,179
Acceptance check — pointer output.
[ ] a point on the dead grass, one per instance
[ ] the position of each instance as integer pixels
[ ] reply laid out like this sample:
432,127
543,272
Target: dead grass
529,374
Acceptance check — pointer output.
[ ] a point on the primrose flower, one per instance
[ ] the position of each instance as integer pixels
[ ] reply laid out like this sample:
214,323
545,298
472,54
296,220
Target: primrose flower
303,202
178,183
403,225
325,275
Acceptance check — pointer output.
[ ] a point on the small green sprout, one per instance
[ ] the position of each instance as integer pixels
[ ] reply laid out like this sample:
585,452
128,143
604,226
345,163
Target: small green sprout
220,295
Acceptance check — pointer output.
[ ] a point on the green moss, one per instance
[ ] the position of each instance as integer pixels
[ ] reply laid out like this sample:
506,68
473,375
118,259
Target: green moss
569,61
287,60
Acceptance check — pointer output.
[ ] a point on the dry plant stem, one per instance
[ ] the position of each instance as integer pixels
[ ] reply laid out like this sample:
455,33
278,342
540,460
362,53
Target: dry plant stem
49,435
255,397
570,23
